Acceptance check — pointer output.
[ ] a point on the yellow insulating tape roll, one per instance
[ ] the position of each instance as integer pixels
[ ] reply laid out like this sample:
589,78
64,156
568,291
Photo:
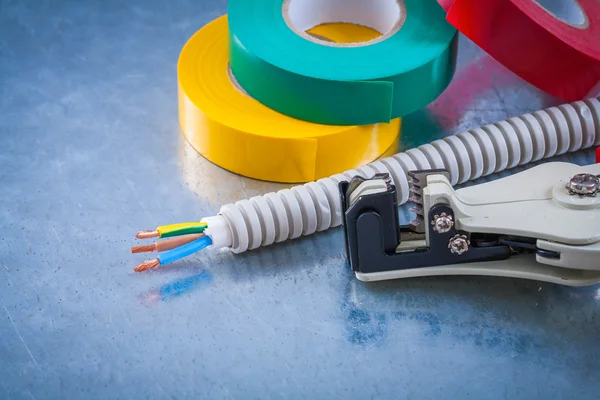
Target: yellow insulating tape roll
241,135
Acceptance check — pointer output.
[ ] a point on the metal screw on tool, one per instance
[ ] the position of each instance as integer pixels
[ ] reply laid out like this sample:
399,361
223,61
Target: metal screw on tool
584,185
459,244
442,223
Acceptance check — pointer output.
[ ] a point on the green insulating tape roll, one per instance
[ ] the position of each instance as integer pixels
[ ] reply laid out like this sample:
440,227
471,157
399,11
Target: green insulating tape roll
281,66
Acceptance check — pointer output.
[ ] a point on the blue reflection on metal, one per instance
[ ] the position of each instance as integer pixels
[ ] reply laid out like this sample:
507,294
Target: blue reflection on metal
179,287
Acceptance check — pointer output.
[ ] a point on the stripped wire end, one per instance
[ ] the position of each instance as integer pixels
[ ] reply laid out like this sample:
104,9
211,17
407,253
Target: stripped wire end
147,234
146,265
144,249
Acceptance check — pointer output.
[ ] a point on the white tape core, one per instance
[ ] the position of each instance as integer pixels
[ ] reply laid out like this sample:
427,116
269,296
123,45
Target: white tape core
384,16
567,11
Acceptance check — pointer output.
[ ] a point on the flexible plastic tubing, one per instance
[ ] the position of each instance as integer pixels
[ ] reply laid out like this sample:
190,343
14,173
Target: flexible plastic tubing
315,206
184,251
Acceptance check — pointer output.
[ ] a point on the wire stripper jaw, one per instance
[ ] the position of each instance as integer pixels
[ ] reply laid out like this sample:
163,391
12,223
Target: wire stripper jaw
538,224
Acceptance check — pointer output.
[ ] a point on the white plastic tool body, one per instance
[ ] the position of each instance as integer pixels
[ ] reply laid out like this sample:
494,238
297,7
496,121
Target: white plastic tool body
532,204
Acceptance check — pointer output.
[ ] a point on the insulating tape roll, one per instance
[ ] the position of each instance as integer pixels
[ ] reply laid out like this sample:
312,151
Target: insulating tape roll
239,134
552,44
359,83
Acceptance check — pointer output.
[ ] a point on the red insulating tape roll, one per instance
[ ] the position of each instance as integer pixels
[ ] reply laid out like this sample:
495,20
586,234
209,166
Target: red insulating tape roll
558,58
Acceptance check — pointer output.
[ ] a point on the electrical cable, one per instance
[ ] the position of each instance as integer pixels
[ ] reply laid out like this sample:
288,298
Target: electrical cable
315,206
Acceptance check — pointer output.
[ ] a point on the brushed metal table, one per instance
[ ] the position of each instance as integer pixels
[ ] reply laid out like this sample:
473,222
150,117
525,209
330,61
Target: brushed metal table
90,152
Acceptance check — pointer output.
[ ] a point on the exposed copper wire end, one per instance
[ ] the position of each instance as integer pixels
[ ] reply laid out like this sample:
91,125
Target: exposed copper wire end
146,234
146,265
144,249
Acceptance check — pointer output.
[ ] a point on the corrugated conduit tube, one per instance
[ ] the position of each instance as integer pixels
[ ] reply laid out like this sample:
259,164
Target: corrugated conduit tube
315,206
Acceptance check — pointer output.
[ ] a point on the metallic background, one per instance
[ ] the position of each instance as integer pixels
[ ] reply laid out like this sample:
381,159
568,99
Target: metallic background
90,152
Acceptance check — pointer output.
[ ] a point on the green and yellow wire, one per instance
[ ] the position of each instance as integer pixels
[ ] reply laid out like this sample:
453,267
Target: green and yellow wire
165,231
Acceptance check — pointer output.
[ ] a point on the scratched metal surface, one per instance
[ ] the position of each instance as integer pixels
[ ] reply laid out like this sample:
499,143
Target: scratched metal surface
90,151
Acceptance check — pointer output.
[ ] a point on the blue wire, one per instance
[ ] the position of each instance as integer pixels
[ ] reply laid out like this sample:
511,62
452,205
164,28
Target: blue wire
184,251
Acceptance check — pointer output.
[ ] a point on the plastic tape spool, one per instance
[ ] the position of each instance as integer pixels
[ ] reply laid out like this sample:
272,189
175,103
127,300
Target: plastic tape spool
239,134
344,84
552,44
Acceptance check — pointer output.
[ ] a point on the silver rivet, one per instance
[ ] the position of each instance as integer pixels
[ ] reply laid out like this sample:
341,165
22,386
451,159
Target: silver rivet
442,223
584,185
459,244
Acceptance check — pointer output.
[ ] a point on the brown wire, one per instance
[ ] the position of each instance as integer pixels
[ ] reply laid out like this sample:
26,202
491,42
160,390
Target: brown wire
167,244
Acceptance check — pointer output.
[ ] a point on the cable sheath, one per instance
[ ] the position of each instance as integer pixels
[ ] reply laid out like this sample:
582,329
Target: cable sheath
315,206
